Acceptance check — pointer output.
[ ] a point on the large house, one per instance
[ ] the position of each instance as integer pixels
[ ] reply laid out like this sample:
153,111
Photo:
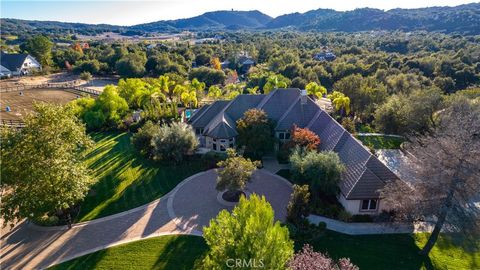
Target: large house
215,126
17,64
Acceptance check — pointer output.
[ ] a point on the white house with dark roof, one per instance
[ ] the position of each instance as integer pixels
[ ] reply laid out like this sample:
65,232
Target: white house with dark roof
215,125
17,64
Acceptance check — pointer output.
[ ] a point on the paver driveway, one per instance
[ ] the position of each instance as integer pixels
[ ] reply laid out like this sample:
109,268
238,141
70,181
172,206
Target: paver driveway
183,211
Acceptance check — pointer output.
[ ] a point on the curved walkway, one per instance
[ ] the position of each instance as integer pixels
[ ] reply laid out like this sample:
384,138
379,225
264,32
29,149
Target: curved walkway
185,210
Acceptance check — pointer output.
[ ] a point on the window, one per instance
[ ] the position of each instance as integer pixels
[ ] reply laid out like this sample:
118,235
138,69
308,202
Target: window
284,135
231,140
369,205
222,140
215,140
214,147
231,145
222,148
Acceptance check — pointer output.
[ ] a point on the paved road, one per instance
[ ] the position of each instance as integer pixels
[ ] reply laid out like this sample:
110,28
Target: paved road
185,210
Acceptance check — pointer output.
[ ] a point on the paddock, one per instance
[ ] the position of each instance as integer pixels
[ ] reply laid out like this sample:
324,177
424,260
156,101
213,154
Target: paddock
20,105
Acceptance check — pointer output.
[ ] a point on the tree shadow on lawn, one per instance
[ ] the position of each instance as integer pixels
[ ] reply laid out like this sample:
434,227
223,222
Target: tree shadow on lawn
388,251
125,179
164,252
182,253
460,248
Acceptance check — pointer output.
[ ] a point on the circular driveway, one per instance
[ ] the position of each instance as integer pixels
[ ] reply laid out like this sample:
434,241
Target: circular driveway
194,202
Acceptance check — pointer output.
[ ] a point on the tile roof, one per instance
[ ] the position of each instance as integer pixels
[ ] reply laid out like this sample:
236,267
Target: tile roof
364,173
208,114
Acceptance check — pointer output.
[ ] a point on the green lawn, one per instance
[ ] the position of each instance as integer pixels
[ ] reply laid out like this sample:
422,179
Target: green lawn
370,252
164,252
381,142
396,251
126,179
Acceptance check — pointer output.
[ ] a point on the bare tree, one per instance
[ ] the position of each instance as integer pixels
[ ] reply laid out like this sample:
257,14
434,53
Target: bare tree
447,168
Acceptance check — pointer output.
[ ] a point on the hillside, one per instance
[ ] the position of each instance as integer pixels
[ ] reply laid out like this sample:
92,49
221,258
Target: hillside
463,19
212,20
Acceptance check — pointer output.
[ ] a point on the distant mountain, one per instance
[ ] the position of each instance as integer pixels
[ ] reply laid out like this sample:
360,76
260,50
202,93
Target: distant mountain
464,19
19,27
212,20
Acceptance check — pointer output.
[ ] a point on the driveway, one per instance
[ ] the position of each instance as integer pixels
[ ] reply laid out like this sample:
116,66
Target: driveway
185,210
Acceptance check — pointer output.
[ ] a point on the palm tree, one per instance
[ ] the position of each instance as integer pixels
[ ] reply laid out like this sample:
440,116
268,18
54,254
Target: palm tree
214,92
166,86
151,95
315,90
273,82
341,102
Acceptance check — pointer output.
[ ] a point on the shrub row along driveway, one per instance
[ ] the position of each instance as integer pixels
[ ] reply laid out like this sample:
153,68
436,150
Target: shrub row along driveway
183,211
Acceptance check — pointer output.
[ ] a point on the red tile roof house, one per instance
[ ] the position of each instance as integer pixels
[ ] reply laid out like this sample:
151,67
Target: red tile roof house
215,125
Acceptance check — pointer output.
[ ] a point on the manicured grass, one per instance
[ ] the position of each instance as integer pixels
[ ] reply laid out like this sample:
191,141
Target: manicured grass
394,251
397,251
381,142
125,178
164,252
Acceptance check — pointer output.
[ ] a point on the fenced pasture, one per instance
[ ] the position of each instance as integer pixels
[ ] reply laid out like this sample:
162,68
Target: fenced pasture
20,102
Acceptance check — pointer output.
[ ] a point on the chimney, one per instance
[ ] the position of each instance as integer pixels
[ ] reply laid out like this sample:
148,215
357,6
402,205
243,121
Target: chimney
303,97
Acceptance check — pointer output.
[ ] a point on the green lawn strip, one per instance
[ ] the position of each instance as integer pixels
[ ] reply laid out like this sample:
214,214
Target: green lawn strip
381,142
389,251
396,251
164,252
125,179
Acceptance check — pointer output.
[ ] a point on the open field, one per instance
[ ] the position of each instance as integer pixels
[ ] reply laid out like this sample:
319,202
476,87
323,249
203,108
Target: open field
125,179
21,105
391,251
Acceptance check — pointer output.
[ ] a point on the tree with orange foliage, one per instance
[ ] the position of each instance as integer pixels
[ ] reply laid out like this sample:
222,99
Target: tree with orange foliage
77,47
215,63
304,137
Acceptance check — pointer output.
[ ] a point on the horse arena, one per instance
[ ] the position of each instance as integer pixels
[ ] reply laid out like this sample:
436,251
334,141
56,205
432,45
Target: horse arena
21,102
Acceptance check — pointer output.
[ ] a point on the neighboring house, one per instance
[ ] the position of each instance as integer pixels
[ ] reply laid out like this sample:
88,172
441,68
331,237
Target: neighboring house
245,63
17,64
325,56
215,126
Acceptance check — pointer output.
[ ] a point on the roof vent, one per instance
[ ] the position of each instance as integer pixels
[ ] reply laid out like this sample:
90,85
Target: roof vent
303,96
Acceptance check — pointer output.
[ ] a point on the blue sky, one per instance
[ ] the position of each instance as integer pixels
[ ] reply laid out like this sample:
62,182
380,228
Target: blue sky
129,12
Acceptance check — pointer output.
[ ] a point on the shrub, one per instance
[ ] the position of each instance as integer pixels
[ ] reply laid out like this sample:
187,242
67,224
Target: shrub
345,216
212,158
297,208
86,76
362,218
90,66
173,142
348,124
307,259
321,170
255,132
236,172
142,140
303,137
47,220
250,232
